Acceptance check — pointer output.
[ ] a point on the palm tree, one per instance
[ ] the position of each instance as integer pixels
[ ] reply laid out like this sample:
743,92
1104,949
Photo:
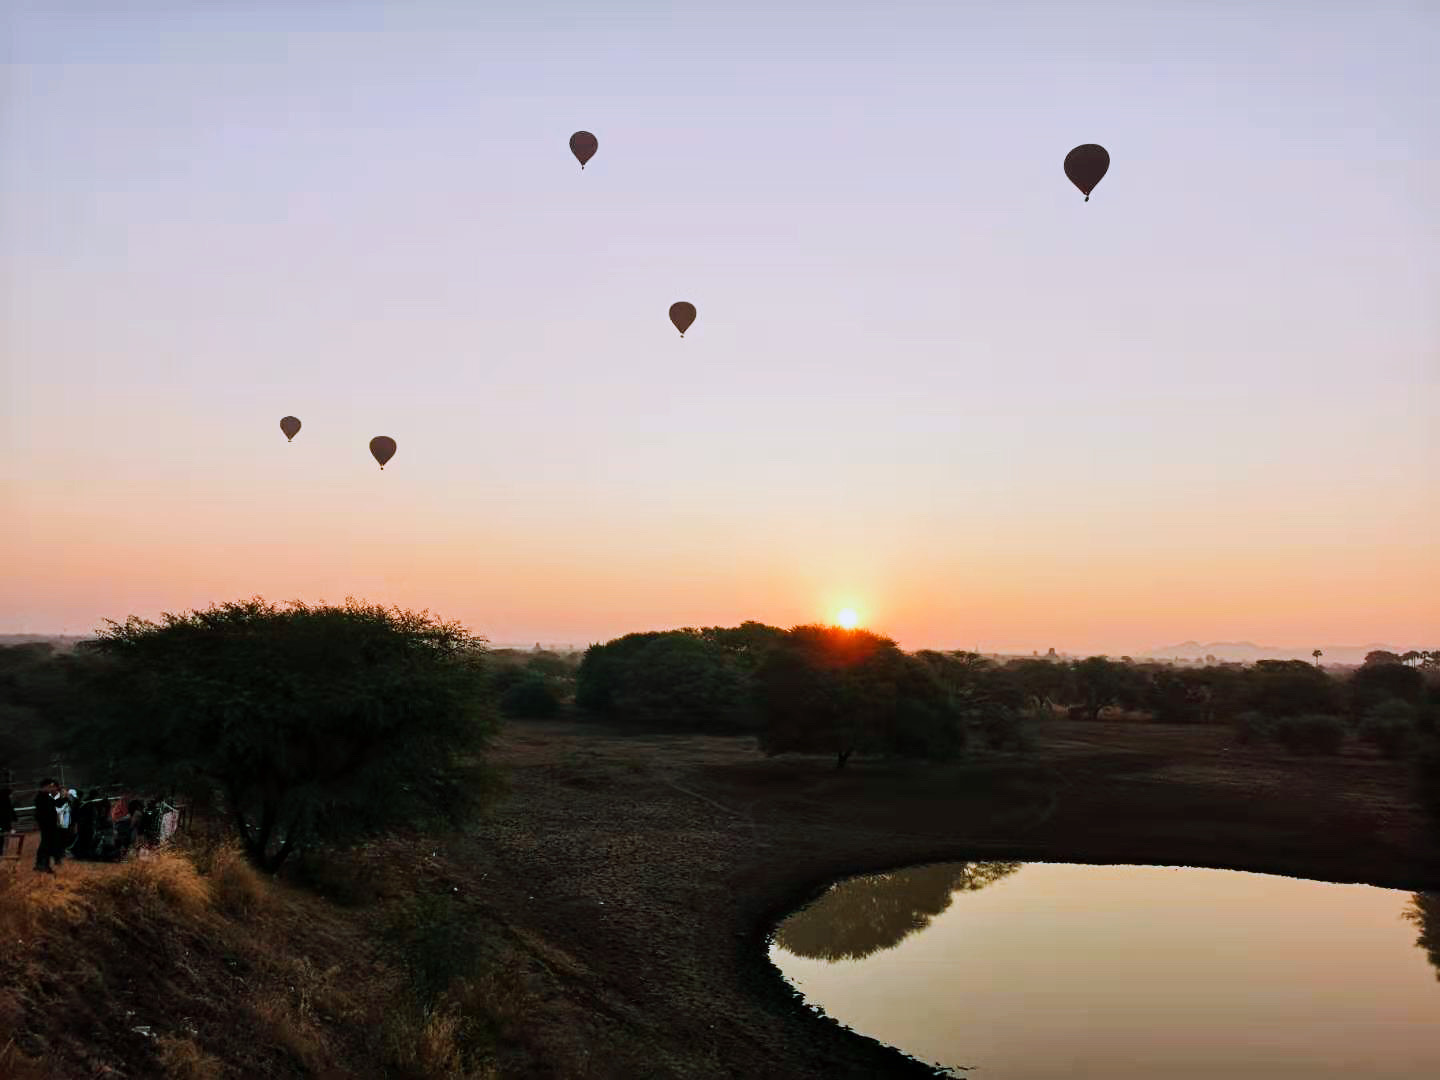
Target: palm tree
1317,654
1410,657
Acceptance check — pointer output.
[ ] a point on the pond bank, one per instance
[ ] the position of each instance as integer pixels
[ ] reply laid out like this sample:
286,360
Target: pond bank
642,874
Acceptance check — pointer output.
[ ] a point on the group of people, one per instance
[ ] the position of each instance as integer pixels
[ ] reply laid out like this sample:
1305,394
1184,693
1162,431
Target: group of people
89,826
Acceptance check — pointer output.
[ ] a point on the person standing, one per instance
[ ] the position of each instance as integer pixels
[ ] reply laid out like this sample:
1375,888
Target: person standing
47,820
7,820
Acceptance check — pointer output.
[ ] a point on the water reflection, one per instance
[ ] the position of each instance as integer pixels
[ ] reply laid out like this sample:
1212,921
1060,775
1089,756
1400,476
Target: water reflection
1424,912
862,915
1127,972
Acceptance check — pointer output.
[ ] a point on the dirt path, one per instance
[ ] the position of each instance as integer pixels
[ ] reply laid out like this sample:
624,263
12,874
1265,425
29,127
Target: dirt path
642,874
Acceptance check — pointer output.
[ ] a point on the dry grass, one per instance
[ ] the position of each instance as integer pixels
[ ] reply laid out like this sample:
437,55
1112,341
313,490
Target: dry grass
235,888
227,973
181,1059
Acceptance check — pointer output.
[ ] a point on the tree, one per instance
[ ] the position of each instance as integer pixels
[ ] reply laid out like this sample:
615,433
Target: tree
1317,654
827,690
1374,683
1290,688
1411,658
1043,682
314,724
862,915
1380,656
530,696
1101,682
1424,912
679,678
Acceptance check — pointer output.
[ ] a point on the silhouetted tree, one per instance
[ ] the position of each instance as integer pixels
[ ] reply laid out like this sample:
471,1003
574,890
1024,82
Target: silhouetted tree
1380,656
827,690
1317,654
315,723
1424,912
1101,682
862,915
530,696
1374,683
1290,688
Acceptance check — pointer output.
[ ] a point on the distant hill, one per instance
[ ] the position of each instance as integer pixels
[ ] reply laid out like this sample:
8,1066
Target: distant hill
1248,652
62,642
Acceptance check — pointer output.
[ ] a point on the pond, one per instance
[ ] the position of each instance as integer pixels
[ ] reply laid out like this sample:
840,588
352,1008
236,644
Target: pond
1028,971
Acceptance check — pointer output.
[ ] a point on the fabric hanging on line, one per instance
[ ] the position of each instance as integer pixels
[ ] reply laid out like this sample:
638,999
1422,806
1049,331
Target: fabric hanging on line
168,823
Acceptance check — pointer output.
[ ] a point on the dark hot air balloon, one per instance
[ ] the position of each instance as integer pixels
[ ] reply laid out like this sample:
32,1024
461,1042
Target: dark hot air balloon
583,145
1085,165
290,426
382,448
682,314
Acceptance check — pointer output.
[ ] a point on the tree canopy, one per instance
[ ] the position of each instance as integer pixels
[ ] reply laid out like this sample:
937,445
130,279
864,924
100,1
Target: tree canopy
311,723
827,690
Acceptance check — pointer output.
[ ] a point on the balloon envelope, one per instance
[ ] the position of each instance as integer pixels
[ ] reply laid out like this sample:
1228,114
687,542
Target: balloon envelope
290,426
682,314
1085,165
583,145
382,447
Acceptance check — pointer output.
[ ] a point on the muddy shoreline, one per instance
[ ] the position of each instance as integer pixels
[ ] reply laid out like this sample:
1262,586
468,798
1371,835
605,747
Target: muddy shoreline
643,874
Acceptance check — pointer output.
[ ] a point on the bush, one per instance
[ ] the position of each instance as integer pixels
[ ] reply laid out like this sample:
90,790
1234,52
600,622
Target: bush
1254,727
530,697
1390,726
1008,729
436,940
1311,734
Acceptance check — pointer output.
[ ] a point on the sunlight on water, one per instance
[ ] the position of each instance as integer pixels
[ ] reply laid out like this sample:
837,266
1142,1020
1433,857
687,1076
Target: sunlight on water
1030,971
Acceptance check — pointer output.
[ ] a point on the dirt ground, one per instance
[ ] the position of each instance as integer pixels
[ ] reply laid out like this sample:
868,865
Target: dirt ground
642,874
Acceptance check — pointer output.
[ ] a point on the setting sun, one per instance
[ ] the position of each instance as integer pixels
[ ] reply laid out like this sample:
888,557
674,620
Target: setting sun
847,618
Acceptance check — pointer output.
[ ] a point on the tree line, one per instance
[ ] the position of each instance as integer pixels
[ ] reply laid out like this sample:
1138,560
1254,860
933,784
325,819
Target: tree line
306,724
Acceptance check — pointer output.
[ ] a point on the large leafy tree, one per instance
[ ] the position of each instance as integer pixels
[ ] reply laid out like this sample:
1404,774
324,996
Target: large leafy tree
696,680
310,723
1100,682
827,690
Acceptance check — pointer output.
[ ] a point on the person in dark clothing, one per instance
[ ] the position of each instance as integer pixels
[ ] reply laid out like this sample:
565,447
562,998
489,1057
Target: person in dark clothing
84,819
47,820
7,811
126,828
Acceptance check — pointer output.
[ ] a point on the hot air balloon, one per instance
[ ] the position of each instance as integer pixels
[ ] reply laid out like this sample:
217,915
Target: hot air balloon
1085,165
290,426
583,145
682,314
382,448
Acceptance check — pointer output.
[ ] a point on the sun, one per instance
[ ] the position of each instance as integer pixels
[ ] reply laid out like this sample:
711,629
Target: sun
847,618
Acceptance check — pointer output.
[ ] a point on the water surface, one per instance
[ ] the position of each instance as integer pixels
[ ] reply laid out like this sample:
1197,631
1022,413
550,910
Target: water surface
1041,970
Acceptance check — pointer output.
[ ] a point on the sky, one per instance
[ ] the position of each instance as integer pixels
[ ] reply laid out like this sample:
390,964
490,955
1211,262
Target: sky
927,380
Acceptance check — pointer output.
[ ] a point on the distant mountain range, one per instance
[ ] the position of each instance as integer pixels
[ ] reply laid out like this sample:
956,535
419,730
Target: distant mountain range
1249,652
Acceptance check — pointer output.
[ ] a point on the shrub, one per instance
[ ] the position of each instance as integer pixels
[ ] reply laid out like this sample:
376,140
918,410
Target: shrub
1311,734
1008,729
1391,727
1254,727
437,941
531,697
